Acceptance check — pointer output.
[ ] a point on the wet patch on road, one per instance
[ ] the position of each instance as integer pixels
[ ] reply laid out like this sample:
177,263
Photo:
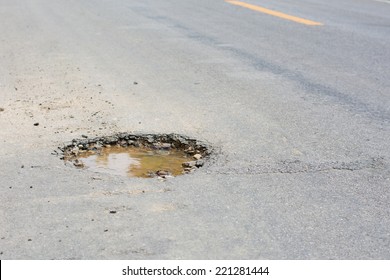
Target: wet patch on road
137,155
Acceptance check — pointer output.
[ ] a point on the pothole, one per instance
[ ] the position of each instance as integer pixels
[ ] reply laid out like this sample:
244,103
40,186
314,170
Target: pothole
137,155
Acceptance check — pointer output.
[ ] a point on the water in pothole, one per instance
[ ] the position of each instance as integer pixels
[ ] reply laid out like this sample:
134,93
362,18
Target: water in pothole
134,162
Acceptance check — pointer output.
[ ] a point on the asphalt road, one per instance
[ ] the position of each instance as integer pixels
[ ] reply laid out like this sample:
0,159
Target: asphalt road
298,115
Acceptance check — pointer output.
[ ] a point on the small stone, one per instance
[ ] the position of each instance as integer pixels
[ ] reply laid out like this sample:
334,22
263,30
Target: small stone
1,109
111,140
136,83
105,230
197,156
189,151
29,239
112,212
150,139
130,142
165,146
78,163
22,166
189,164
163,173
84,136
75,151
199,163
36,124
98,146
123,135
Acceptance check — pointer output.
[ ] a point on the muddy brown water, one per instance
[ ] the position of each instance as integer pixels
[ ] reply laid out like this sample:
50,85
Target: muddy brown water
134,162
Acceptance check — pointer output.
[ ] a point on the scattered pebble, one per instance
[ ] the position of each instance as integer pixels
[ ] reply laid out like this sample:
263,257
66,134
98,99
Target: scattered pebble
197,156
78,163
36,124
1,109
166,146
189,164
112,212
29,239
163,173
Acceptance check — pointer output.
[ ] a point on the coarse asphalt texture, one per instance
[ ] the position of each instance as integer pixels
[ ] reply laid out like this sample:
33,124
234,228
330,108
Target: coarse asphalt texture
298,116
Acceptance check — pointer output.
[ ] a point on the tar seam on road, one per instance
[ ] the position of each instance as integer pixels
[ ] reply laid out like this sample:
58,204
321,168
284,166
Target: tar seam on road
273,13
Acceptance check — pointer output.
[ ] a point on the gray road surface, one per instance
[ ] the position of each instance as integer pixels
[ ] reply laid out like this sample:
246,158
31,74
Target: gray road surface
299,117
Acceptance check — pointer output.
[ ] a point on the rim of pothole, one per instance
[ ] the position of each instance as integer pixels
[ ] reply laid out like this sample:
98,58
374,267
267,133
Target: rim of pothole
199,150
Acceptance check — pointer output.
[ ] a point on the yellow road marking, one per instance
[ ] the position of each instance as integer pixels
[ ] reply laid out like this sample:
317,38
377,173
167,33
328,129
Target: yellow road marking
273,13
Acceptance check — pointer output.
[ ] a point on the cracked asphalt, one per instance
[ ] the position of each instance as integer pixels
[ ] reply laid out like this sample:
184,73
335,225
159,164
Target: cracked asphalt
298,117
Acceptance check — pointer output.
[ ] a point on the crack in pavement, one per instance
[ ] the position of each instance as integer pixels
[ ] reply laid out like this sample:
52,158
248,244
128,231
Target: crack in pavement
297,166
